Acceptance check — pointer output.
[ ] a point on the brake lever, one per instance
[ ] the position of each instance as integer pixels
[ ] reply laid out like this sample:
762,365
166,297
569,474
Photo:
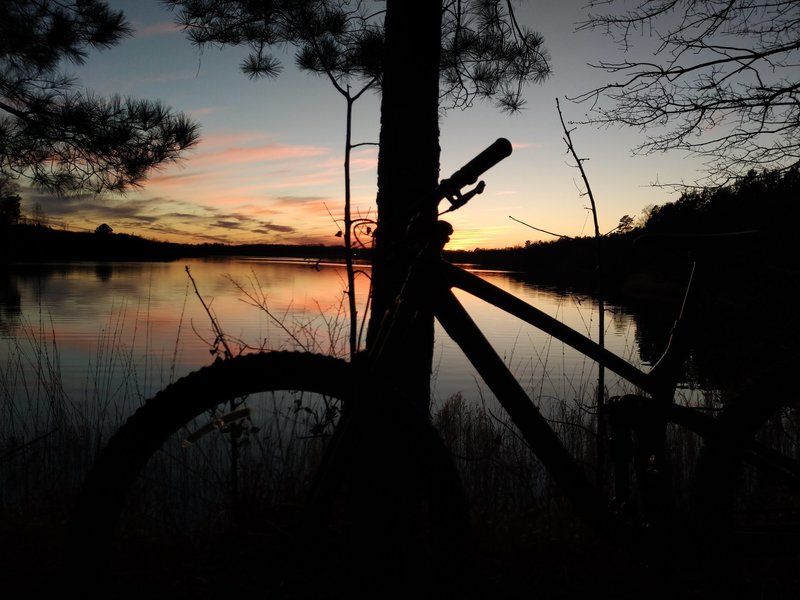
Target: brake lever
457,199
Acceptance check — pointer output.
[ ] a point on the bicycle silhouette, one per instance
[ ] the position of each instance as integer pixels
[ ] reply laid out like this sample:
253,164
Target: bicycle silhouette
382,488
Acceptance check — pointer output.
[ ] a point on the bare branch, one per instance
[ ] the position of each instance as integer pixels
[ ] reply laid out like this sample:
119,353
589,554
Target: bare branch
725,87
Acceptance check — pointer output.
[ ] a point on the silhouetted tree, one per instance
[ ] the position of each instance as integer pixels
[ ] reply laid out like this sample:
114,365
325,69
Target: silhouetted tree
626,224
724,82
104,229
447,54
482,53
62,138
485,52
37,218
9,203
422,55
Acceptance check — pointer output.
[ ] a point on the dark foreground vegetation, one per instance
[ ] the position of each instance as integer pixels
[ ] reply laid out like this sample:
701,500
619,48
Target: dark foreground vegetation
527,541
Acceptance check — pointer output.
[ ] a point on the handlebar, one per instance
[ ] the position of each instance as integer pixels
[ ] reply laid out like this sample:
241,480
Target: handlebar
469,173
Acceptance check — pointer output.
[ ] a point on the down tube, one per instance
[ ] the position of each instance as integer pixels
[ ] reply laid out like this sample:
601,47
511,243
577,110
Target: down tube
492,294
531,424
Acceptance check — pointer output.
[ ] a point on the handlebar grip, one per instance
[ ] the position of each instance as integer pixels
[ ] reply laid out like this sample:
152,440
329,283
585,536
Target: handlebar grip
469,173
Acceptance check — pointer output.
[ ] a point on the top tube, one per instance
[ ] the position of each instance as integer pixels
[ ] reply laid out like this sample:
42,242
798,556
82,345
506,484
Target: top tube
462,279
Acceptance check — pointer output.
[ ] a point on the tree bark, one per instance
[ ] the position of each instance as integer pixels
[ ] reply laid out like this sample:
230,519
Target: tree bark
385,486
408,169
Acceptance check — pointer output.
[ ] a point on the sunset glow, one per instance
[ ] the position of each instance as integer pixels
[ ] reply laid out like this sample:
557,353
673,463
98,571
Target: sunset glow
269,166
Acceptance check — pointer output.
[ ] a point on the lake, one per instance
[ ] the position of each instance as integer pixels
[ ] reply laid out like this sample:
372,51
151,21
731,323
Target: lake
115,333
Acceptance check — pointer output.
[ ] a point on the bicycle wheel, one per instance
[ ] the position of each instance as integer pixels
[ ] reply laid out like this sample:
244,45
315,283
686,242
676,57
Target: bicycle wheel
201,492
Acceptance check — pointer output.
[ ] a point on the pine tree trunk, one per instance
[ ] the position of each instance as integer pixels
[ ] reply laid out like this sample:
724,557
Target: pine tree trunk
408,167
384,486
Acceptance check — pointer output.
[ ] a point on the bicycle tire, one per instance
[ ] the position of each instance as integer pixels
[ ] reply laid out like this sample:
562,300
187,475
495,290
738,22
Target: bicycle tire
241,556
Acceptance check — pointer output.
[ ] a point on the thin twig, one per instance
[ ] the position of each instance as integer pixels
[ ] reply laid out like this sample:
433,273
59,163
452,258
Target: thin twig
220,337
8,455
261,303
601,433
558,235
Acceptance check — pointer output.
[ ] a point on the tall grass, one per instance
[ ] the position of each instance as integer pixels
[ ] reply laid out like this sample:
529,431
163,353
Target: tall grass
49,438
52,433
48,441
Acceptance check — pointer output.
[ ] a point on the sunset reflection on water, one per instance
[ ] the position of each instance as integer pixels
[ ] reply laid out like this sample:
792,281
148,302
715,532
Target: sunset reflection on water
139,326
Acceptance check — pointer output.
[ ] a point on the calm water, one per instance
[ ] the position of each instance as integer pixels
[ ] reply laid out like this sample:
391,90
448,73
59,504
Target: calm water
116,333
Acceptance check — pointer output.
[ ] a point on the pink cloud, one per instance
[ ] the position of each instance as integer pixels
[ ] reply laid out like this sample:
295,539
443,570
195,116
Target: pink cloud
157,29
227,138
265,153
166,180
208,110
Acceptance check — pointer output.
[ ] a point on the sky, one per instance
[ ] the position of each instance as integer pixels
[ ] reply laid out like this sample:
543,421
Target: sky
269,164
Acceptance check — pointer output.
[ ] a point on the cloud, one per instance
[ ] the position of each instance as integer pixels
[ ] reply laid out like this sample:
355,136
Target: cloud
228,224
263,153
240,168
271,228
207,110
155,29
295,200
173,179
236,187
180,215
164,217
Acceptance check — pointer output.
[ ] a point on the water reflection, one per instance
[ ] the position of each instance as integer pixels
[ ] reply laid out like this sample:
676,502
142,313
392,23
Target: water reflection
104,271
137,326
10,303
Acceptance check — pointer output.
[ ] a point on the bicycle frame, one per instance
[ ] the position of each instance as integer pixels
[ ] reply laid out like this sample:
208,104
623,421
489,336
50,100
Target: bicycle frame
428,289
434,277
428,286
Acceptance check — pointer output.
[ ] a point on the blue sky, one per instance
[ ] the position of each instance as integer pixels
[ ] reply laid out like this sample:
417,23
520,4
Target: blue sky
268,167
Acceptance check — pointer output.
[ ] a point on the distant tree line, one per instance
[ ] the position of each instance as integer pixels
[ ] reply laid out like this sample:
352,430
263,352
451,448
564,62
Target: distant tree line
10,212
765,201
26,241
